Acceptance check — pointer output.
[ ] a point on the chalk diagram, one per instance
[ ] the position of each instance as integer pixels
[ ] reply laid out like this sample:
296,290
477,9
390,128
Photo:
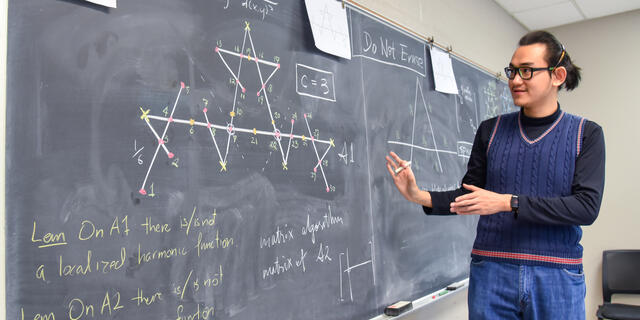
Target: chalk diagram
347,268
329,25
463,147
467,111
231,130
507,100
467,117
497,99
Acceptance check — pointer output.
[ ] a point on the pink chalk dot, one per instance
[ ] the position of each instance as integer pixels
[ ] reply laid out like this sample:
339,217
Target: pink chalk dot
258,94
160,141
244,90
278,66
181,84
305,115
217,49
292,121
257,60
291,136
204,110
171,155
315,169
170,119
312,139
209,125
263,87
327,189
241,56
142,192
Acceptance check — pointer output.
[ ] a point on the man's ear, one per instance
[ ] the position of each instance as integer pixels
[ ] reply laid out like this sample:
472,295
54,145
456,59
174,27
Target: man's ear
559,75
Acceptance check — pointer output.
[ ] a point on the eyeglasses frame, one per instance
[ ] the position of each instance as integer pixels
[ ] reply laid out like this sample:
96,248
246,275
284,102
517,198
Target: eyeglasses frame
519,71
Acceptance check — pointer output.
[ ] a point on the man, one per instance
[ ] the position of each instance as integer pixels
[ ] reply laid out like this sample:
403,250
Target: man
534,177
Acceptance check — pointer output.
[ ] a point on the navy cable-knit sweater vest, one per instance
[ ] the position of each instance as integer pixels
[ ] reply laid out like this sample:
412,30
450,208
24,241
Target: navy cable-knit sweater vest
543,167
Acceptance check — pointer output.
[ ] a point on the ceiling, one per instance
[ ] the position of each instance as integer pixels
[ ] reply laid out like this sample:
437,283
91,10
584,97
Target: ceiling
543,14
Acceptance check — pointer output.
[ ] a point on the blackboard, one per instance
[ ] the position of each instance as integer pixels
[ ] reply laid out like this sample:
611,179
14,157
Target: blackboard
202,160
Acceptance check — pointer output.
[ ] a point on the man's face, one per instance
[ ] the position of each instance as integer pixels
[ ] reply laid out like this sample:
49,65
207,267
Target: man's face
535,91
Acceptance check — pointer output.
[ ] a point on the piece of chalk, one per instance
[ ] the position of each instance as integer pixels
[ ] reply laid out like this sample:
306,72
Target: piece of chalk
403,167
398,308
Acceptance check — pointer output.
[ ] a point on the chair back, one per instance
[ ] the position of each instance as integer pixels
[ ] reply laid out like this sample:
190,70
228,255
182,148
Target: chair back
620,272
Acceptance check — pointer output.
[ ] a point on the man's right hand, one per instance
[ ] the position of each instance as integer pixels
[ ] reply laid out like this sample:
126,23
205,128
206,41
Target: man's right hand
405,181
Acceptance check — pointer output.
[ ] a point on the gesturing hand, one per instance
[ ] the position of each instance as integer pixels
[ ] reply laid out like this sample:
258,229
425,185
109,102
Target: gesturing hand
404,180
481,201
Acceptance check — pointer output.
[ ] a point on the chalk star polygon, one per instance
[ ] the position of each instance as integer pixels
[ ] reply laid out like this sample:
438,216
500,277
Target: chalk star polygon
229,127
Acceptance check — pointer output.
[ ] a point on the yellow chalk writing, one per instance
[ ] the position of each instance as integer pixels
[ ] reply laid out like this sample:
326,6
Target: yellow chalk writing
140,298
157,227
49,239
106,302
164,254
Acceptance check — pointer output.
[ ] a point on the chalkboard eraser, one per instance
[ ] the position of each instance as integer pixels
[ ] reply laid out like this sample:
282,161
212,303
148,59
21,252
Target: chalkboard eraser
398,308
456,285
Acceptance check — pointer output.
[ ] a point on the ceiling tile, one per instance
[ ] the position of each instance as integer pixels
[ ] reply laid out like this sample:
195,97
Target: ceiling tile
513,6
550,16
600,8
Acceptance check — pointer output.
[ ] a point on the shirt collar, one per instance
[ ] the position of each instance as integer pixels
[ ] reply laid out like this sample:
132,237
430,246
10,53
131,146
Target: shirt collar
527,121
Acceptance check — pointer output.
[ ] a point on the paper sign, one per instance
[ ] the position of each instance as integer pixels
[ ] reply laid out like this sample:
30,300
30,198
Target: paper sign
106,3
443,71
329,26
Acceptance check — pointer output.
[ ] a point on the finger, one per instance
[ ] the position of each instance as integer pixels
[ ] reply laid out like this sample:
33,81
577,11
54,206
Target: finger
463,204
467,210
467,196
470,187
395,156
460,210
408,170
391,171
393,163
466,213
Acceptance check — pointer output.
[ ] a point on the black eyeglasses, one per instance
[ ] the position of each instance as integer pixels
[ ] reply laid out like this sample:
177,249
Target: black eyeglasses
526,73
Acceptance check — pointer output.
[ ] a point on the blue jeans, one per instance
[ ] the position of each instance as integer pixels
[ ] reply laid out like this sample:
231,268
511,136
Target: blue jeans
509,291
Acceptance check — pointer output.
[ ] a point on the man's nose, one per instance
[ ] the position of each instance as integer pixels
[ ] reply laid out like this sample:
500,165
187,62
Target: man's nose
517,79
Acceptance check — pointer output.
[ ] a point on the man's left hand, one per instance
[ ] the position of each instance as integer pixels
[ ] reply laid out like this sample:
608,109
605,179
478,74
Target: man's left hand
481,202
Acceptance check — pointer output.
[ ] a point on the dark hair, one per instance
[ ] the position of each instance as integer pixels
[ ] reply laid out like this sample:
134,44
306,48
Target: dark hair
556,54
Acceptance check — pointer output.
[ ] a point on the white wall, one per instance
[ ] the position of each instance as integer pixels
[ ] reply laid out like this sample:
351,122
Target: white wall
608,49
